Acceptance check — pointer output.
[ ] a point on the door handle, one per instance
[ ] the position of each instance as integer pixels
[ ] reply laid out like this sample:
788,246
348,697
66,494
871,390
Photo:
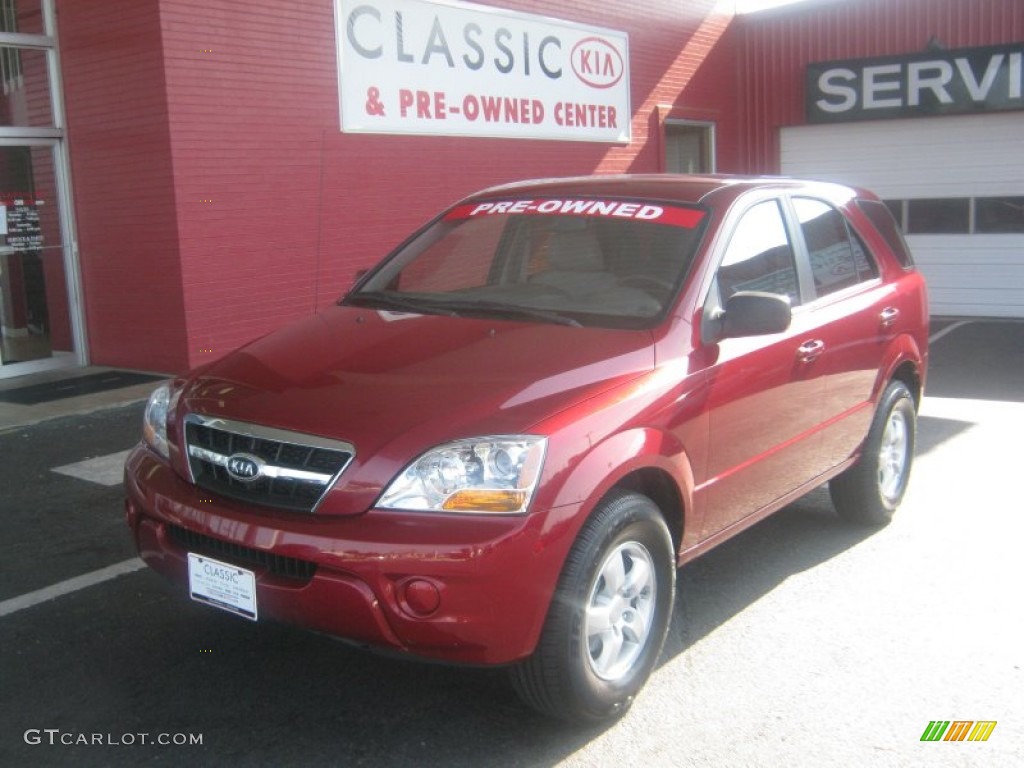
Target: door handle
888,316
810,351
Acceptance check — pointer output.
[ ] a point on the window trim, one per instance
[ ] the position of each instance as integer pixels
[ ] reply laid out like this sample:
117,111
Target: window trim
707,140
972,212
672,116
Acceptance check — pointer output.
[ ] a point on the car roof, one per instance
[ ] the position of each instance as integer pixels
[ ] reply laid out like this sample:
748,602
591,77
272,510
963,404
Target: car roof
681,188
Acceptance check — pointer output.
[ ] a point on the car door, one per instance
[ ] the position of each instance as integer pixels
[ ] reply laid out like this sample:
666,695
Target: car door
764,397
857,315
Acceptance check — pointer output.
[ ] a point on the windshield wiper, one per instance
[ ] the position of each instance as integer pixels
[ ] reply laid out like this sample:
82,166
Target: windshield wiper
442,305
514,310
387,300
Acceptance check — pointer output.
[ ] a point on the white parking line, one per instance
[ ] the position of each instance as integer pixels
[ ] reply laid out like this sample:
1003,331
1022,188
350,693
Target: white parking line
105,470
15,604
947,330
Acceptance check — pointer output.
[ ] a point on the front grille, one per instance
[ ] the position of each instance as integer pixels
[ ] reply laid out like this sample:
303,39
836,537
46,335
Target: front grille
286,567
280,469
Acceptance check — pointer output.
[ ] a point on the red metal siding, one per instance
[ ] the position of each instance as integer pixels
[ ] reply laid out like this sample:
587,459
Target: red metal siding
776,46
277,209
121,168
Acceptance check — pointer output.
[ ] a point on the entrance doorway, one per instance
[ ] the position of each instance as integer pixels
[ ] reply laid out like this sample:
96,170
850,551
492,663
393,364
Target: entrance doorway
689,147
35,323
40,319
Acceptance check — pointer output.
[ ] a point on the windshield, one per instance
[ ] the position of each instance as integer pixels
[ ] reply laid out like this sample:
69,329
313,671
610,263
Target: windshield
605,263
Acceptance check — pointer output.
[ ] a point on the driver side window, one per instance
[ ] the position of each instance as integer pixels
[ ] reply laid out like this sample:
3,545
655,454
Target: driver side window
760,256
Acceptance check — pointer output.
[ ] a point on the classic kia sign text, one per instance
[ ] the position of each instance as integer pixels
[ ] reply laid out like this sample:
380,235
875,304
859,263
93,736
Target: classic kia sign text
430,67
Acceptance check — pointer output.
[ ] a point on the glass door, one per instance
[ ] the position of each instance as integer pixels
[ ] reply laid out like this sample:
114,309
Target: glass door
35,321
40,315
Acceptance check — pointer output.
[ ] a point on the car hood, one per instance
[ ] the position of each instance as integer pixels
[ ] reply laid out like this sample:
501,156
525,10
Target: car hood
395,385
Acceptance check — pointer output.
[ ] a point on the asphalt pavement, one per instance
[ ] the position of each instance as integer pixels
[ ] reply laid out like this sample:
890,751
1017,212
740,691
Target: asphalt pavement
802,642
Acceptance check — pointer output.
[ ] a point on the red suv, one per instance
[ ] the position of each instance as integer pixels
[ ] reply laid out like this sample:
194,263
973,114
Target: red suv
500,444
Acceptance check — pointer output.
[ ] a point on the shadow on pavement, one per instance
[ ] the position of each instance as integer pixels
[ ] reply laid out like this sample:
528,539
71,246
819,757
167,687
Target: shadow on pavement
980,360
933,431
722,583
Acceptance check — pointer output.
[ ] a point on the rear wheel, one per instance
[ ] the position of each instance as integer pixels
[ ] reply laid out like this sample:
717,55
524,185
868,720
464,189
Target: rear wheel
609,615
870,491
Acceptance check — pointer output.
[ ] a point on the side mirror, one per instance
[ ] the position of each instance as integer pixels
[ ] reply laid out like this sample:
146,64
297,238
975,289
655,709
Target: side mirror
753,313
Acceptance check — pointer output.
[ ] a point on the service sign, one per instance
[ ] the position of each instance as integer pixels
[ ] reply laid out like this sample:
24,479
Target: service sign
968,80
456,69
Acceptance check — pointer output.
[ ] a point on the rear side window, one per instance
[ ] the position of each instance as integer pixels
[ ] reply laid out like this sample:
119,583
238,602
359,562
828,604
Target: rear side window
760,256
838,258
880,215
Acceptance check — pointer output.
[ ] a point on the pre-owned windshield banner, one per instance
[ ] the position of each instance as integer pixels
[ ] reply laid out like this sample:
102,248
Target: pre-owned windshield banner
459,69
613,209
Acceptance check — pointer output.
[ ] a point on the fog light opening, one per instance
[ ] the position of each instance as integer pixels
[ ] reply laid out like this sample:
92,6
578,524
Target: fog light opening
420,598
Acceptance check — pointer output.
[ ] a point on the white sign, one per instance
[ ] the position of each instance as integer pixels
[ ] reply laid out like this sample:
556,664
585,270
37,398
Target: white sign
221,585
458,69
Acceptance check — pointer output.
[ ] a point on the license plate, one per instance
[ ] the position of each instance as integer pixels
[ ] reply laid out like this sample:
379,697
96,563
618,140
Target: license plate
222,585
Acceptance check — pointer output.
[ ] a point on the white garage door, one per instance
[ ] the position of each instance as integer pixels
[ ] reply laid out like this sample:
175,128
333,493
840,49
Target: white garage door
958,183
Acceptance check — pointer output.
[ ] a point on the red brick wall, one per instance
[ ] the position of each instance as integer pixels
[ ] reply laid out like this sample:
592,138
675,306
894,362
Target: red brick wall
217,199
125,206
277,209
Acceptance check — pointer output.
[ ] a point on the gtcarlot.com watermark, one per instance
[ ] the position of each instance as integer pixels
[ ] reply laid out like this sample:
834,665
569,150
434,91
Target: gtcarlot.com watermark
57,737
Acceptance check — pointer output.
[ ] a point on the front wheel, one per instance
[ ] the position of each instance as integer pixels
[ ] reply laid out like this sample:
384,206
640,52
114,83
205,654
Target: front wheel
870,491
609,615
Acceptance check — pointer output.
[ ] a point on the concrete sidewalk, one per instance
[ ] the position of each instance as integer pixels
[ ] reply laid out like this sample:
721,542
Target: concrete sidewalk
14,416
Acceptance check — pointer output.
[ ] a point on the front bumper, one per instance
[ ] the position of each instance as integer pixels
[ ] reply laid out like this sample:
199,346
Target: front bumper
459,588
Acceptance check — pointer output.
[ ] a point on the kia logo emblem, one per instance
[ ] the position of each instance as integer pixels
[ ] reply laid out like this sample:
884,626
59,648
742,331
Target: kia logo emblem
597,62
243,467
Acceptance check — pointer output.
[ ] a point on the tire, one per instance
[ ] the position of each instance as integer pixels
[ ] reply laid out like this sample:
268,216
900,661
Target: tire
869,492
608,617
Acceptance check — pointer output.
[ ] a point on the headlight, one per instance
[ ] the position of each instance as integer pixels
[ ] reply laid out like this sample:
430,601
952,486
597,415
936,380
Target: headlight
154,422
483,475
